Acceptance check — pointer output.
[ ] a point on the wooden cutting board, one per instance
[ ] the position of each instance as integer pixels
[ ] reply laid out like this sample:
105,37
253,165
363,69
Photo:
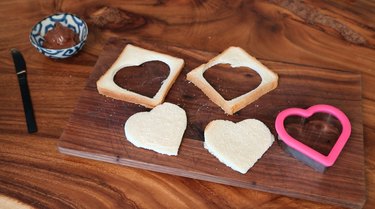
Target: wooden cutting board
95,130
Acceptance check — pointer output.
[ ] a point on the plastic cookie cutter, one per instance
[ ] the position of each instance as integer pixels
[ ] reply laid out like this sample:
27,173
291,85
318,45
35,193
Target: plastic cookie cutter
307,154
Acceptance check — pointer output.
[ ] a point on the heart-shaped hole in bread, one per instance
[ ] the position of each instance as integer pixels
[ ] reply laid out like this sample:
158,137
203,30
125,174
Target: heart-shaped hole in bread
236,58
319,131
134,58
145,79
222,77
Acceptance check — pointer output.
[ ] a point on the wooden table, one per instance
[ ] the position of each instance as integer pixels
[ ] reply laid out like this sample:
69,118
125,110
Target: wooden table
33,174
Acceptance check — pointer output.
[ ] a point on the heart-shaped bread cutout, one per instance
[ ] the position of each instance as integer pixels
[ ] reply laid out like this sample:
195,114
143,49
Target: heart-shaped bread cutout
160,130
310,153
237,145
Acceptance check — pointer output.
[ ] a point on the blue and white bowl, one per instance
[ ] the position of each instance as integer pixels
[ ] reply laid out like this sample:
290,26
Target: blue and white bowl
68,20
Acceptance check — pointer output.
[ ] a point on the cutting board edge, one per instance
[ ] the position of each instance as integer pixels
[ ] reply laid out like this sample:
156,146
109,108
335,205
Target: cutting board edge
205,177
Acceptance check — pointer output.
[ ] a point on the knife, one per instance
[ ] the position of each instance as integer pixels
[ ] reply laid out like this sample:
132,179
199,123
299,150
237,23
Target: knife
20,66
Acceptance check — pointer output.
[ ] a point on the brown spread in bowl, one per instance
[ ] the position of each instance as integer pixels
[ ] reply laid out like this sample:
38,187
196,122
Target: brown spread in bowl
60,37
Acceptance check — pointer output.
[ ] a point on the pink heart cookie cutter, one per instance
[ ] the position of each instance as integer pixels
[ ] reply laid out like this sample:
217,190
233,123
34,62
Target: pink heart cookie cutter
301,148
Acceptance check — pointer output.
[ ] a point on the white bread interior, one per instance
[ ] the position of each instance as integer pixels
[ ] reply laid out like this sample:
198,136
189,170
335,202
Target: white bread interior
160,130
236,57
135,56
237,145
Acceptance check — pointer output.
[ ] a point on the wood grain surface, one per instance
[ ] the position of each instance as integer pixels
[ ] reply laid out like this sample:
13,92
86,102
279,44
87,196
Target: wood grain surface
96,131
322,34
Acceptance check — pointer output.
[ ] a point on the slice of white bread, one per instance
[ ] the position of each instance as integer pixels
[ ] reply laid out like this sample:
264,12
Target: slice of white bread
236,57
135,56
237,145
160,130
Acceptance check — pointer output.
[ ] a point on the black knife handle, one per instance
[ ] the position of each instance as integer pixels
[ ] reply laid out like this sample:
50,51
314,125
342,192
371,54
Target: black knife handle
27,105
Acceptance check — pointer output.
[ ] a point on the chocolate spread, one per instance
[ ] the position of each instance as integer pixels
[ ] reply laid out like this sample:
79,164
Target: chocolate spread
232,82
145,79
60,37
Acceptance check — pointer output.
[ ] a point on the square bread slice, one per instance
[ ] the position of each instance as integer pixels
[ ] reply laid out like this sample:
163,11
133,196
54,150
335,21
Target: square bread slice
236,57
135,56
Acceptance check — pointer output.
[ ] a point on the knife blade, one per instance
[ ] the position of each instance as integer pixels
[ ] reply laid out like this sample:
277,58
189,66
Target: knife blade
20,66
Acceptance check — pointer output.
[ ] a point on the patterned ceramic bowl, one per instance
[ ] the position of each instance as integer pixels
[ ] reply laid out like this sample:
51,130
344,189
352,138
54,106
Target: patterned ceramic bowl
68,20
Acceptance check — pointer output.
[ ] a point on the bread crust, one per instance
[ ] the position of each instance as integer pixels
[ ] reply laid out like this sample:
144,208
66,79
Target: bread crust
236,57
135,56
